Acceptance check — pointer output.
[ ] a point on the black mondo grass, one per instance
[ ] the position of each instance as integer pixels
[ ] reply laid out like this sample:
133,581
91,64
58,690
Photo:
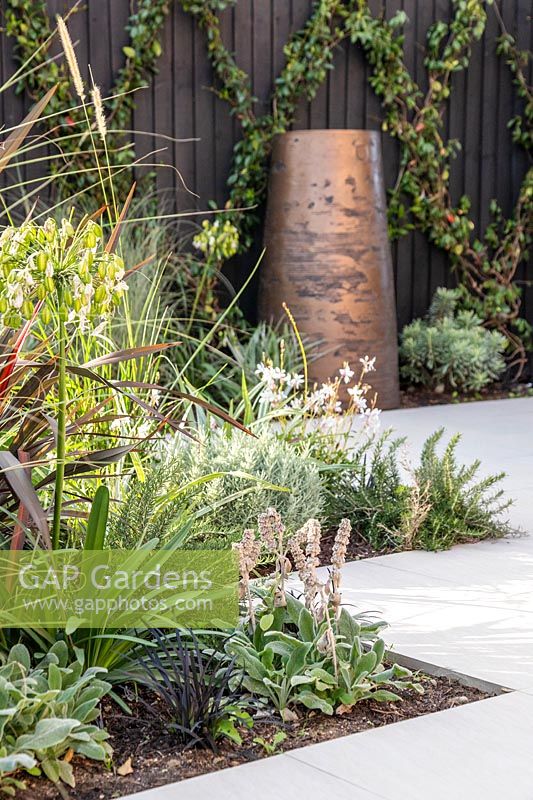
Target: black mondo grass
194,690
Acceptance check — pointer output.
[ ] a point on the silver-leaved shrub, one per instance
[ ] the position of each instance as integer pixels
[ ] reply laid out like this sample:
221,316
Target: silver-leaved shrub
251,470
450,348
46,710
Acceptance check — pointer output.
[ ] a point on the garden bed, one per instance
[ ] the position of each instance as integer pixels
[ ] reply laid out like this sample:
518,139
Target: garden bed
152,758
414,397
357,549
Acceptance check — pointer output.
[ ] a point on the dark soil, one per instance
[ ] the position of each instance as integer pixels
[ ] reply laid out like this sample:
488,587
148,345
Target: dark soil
358,548
153,758
413,397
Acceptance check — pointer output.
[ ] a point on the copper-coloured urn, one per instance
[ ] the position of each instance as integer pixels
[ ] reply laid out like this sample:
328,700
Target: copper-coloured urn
327,251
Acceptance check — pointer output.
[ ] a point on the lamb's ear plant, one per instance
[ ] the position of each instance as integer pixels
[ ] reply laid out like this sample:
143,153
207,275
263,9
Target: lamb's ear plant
48,709
310,652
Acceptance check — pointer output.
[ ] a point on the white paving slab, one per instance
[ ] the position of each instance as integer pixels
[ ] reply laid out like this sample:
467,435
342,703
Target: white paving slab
499,432
468,610
497,565
486,644
480,751
496,574
262,780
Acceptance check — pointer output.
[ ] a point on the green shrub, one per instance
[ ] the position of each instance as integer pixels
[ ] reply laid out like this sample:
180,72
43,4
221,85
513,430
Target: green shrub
286,663
310,652
369,491
461,507
230,503
442,504
46,710
451,348
142,515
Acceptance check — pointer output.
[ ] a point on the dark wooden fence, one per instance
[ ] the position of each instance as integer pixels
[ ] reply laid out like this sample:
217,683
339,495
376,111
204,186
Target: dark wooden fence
179,104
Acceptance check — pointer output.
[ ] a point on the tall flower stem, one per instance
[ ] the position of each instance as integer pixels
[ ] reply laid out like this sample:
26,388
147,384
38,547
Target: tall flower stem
61,426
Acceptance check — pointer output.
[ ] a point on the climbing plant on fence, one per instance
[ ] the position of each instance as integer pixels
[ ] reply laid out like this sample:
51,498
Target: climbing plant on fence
28,22
486,264
421,198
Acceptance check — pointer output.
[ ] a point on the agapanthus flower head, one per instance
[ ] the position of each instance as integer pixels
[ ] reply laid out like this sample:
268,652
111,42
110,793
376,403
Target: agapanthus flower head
58,268
218,239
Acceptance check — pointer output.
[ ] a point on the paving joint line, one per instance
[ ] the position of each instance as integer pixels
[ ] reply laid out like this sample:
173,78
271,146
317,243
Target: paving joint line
332,774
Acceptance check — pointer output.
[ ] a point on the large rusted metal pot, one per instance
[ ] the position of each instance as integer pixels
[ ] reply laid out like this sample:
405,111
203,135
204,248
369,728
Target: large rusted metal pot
327,251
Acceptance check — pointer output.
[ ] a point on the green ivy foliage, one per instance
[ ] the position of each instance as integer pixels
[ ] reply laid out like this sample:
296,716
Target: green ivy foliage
309,55
421,199
486,264
29,24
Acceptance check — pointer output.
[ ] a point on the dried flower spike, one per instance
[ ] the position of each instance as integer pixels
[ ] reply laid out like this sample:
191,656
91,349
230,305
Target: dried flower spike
338,559
99,112
248,550
70,55
271,530
340,546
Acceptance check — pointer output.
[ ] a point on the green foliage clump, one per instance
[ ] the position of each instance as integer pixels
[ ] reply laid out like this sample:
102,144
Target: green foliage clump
462,506
201,699
152,510
307,652
369,491
438,504
255,473
46,709
451,348
286,662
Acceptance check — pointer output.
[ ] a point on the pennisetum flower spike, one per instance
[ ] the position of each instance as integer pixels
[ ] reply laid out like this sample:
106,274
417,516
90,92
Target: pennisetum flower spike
99,112
70,55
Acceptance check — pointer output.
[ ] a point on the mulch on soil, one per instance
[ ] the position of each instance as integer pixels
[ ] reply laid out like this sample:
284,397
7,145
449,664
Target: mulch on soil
414,397
156,758
358,548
